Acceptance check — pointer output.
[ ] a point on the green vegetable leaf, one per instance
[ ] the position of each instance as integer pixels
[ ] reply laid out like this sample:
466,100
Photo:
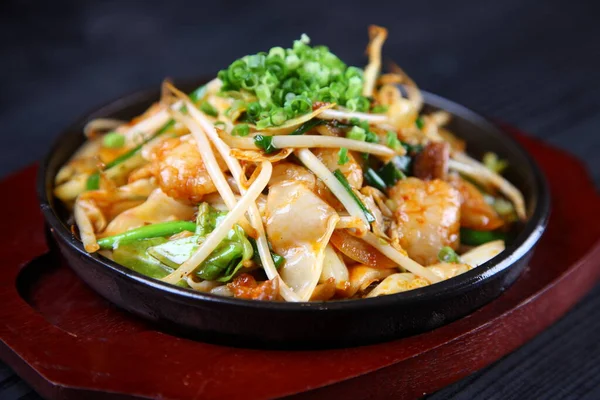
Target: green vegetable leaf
208,218
134,256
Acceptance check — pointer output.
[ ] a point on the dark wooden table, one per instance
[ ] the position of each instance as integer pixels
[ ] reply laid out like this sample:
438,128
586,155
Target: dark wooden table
535,65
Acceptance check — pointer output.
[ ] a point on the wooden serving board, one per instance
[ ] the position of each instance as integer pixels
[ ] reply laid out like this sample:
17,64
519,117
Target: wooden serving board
69,343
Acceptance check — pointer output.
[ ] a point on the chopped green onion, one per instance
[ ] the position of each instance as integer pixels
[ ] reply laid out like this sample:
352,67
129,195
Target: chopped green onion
148,231
340,177
374,180
208,109
264,143
448,255
420,123
357,133
278,117
93,181
113,140
220,124
379,109
359,103
392,140
472,237
343,156
240,130
276,52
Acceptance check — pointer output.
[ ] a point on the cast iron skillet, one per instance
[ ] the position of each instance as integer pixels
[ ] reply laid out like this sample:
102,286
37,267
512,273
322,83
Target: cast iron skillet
318,324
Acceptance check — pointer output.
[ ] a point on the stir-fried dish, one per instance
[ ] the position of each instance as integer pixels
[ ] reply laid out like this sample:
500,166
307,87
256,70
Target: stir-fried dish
291,176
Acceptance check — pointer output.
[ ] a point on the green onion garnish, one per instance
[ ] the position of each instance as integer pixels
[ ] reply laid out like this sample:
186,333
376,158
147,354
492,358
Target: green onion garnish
448,255
93,181
379,109
113,140
392,140
264,143
343,156
240,130
357,133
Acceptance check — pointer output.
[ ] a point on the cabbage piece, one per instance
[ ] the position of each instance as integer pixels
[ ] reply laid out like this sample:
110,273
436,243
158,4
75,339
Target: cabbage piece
134,255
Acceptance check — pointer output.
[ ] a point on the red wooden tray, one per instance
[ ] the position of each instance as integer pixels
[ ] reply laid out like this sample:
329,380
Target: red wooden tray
67,342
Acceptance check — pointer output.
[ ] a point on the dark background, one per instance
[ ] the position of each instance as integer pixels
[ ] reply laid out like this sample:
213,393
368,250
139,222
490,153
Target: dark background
533,64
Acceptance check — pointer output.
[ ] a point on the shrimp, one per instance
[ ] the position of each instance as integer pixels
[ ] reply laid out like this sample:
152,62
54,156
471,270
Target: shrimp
427,217
180,171
475,212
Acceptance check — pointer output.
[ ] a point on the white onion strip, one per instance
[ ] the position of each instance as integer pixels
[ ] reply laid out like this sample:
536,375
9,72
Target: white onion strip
479,172
255,219
221,231
312,141
322,172
404,261
348,115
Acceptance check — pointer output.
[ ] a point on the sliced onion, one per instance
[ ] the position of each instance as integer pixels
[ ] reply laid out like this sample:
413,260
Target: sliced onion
359,251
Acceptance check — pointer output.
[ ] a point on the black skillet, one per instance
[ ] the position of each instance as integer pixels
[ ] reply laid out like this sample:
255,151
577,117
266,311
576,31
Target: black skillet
317,324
